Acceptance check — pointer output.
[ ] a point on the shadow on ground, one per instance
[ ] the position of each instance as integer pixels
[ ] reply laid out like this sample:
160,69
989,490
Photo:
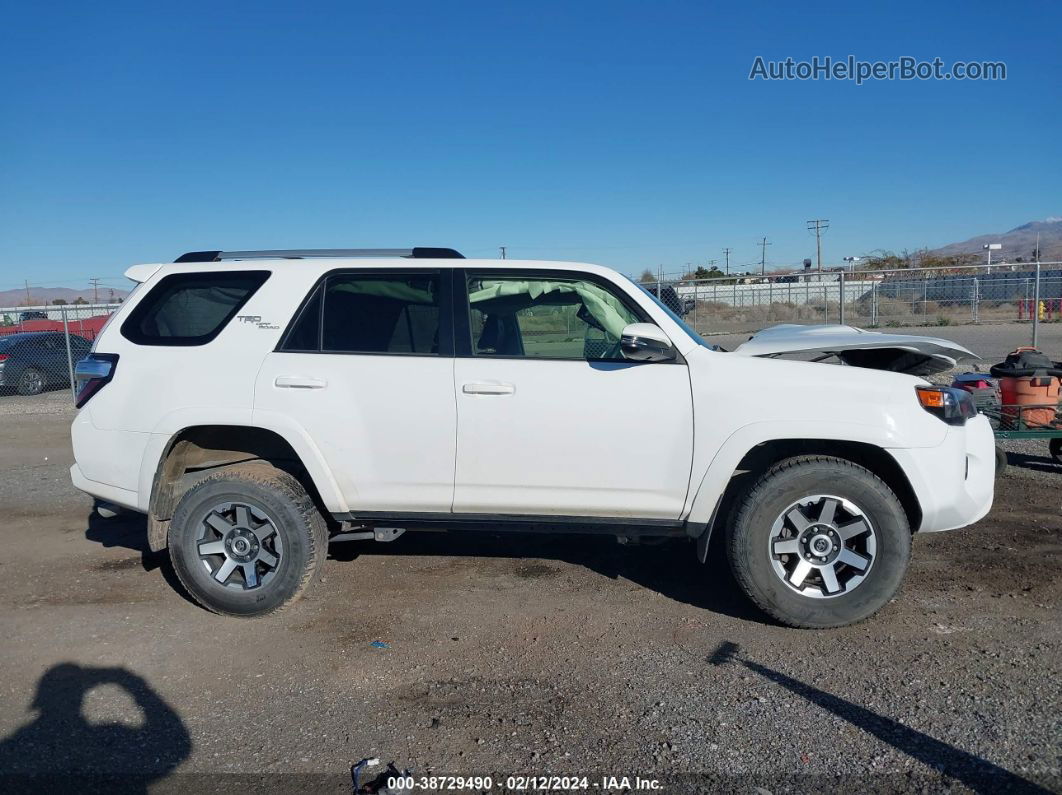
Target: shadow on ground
669,568
978,774
1038,463
60,750
129,531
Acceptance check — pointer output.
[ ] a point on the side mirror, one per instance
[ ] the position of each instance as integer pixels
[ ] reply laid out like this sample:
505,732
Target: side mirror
646,342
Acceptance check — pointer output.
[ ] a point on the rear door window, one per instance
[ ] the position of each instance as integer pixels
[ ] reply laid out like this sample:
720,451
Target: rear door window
191,308
371,313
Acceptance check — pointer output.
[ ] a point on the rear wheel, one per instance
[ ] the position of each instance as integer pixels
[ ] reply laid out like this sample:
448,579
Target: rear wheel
31,382
1001,461
819,542
247,540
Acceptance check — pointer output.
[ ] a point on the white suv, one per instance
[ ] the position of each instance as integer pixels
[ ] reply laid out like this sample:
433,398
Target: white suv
257,405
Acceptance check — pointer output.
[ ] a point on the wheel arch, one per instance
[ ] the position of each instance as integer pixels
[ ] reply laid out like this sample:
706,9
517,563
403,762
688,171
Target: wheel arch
193,451
725,480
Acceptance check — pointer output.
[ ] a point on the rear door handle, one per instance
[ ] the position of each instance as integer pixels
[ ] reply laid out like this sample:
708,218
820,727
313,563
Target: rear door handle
299,382
489,389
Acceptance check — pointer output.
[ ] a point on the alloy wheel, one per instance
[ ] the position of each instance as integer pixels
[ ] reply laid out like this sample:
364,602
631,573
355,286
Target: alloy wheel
31,382
239,545
822,546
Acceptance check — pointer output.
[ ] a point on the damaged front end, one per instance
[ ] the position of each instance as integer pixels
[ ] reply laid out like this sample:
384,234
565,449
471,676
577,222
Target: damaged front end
900,353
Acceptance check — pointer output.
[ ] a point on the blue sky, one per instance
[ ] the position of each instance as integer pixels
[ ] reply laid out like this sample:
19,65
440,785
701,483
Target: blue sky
621,133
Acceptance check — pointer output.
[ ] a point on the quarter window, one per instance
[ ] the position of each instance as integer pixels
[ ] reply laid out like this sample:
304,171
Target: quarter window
190,308
545,318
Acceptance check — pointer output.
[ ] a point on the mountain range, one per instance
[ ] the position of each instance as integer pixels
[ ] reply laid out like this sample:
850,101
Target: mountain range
1018,242
45,295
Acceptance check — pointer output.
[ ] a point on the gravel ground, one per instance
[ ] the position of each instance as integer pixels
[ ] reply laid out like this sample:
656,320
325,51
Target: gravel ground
55,402
538,655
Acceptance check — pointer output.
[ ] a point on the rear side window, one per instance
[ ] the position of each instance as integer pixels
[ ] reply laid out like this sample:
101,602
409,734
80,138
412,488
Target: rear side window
370,313
190,308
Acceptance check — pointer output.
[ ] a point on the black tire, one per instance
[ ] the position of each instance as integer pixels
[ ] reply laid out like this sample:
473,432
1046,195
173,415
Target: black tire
1054,446
31,382
299,541
753,562
1001,461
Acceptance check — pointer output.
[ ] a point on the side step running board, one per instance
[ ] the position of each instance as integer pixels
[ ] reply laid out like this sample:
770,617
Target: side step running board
382,534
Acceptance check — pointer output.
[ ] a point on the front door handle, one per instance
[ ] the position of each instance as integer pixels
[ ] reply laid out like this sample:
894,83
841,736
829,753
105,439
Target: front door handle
489,389
299,382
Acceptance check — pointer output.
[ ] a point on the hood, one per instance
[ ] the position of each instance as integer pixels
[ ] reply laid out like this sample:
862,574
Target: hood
899,353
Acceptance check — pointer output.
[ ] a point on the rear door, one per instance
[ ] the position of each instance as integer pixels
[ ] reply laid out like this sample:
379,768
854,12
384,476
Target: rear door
551,419
367,371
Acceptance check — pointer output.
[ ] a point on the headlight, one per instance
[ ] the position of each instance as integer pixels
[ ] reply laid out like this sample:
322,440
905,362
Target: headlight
954,406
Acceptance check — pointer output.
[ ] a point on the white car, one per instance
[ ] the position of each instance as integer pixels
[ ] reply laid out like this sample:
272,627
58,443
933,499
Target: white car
258,405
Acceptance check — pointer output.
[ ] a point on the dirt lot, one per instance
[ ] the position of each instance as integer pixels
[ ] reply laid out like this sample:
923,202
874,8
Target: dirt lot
522,656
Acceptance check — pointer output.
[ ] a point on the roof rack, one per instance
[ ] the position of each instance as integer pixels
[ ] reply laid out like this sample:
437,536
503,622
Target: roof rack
419,252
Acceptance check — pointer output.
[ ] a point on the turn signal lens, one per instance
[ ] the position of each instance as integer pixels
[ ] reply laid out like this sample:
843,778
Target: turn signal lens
930,398
953,406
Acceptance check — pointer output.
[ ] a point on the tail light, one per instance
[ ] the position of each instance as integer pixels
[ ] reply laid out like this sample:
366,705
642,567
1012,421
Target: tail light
3,357
93,373
953,406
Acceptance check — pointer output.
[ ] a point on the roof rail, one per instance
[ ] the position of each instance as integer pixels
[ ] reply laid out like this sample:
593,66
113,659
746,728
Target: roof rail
418,252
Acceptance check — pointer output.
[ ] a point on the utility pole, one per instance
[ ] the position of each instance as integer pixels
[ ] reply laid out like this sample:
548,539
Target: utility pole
818,226
727,252
28,302
95,282
763,256
1036,297
502,249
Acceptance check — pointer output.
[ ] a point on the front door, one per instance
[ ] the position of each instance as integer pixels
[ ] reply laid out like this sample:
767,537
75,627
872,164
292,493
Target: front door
551,419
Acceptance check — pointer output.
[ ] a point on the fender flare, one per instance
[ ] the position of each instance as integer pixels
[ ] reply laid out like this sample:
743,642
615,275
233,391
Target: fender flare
716,476
175,423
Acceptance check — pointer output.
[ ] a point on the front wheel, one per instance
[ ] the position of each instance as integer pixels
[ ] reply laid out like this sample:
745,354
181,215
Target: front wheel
819,542
247,540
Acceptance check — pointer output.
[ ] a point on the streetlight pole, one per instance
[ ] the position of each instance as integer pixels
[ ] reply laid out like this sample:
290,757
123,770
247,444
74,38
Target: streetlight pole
990,247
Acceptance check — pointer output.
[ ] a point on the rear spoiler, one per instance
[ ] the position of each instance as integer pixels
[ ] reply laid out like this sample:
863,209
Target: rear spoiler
141,273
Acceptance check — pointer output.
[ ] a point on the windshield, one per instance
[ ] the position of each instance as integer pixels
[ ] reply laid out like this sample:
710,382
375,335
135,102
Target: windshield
674,316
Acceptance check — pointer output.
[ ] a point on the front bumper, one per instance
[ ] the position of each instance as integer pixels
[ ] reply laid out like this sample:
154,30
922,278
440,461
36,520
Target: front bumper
954,481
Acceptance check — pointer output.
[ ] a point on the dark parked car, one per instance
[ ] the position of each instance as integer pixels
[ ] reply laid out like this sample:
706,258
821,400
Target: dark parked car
33,361
669,297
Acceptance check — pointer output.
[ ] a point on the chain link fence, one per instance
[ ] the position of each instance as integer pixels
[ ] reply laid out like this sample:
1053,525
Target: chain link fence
39,345
1005,293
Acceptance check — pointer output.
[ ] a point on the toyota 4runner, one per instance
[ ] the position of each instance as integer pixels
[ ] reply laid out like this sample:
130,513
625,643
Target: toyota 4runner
258,405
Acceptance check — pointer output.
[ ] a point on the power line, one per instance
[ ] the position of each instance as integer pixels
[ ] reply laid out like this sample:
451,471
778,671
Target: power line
818,226
95,282
763,256
727,252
